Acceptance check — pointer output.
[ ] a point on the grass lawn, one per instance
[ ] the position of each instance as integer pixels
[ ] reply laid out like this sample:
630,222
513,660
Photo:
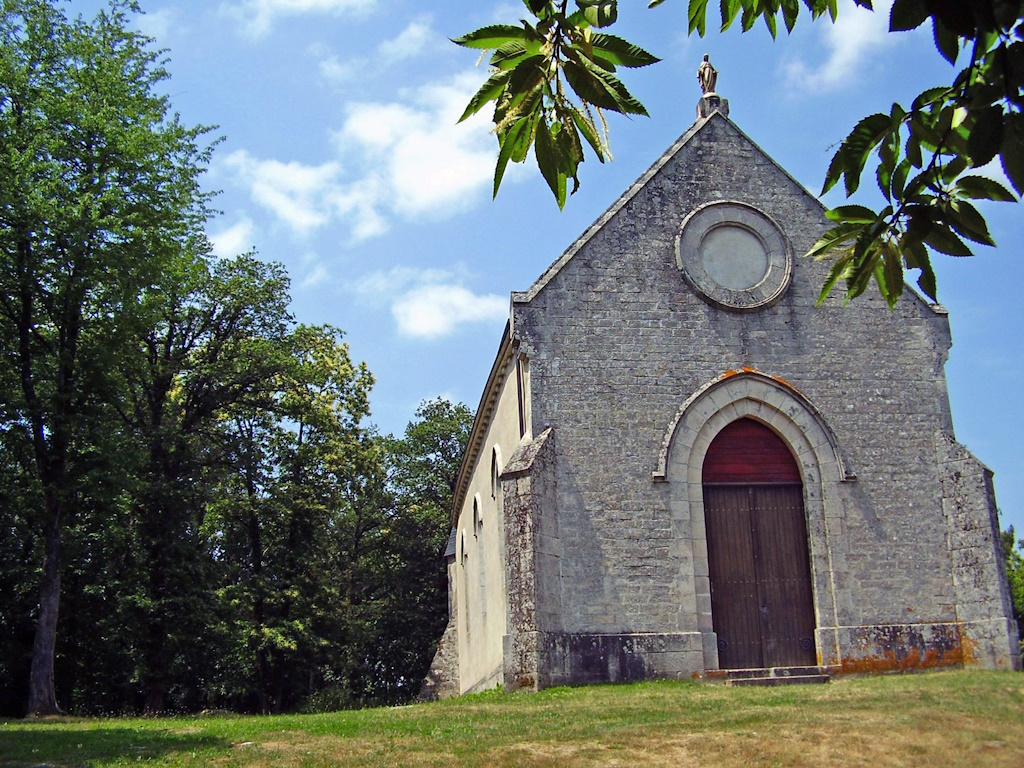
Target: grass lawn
934,719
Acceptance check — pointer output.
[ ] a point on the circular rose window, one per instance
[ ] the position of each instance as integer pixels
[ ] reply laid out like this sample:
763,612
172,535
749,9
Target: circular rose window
734,255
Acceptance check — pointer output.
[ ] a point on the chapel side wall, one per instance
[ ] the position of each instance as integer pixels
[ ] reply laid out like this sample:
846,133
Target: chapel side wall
480,550
618,340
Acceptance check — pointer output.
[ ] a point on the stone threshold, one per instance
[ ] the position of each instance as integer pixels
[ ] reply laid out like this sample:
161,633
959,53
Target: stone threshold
770,676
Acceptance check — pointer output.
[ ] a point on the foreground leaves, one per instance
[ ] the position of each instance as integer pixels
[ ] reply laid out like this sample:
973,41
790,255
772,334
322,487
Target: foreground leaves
926,155
553,77
537,68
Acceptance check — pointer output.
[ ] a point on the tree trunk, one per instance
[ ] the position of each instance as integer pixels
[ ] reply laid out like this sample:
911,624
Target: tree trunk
154,704
42,697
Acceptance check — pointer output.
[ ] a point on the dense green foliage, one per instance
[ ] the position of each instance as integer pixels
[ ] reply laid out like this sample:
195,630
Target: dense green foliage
194,512
254,545
552,77
99,196
1013,551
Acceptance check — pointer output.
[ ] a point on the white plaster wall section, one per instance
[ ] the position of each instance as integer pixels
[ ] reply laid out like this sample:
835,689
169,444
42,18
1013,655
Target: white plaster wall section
480,565
757,396
480,582
464,635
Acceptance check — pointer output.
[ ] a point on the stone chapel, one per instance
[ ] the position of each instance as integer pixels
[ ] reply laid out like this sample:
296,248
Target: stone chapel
680,466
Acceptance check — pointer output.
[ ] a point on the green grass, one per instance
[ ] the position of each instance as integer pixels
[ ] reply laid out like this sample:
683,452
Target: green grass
934,719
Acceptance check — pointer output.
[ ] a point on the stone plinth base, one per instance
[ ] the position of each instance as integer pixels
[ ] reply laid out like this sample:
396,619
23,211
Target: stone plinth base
896,647
711,103
564,658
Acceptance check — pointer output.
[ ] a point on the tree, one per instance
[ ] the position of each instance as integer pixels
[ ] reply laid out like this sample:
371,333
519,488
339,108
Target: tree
1013,551
283,517
19,576
217,342
924,153
423,466
389,577
424,463
99,190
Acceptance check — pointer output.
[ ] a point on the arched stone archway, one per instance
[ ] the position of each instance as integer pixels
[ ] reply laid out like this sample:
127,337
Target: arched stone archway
788,414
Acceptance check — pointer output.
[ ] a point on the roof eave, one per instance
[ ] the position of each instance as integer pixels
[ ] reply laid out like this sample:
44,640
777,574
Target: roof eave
482,420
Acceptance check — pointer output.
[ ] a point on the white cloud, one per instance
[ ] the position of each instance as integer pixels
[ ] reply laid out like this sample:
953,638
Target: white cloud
317,274
377,127
311,271
856,34
300,195
405,159
234,240
357,201
155,24
258,16
416,38
433,311
429,303
334,70
506,13
387,285
428,164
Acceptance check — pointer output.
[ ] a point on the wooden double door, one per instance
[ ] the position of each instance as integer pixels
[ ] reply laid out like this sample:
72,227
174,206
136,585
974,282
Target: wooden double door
761,600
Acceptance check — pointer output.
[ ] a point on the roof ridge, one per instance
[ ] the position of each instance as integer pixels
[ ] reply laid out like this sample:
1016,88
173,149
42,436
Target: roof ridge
614,208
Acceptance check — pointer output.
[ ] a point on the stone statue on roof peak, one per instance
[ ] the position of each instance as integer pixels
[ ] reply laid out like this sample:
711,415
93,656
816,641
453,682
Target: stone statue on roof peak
707,75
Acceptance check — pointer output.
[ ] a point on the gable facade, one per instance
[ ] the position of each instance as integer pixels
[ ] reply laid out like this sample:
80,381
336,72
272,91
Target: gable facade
582,509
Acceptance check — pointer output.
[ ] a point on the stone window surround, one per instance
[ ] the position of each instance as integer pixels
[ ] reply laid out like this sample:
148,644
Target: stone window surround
701,222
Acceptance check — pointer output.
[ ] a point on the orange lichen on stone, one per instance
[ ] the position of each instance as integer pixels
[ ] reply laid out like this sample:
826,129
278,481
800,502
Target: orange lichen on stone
890,662
968,649
783,382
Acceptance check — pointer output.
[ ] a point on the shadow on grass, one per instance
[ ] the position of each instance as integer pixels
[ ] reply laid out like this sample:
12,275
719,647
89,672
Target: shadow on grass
59,745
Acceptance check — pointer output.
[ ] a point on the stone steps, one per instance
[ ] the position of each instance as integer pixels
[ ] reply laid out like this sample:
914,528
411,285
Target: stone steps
777,676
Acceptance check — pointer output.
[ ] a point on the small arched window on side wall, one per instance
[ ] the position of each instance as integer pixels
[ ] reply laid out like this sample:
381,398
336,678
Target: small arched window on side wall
481,566
523,391
478,519
496,465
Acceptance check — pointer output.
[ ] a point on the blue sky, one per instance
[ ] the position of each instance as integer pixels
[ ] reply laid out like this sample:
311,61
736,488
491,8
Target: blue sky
342,160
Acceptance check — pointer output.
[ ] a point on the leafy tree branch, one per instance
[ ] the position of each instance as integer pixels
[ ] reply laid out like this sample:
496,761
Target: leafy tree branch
553,77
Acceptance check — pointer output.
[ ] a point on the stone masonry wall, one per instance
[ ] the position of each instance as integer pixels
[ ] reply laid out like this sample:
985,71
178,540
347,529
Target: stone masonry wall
618,340
984,607
531,557
442,680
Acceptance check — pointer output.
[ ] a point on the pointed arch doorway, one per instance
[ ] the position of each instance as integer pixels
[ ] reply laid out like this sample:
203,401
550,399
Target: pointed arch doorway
761,601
